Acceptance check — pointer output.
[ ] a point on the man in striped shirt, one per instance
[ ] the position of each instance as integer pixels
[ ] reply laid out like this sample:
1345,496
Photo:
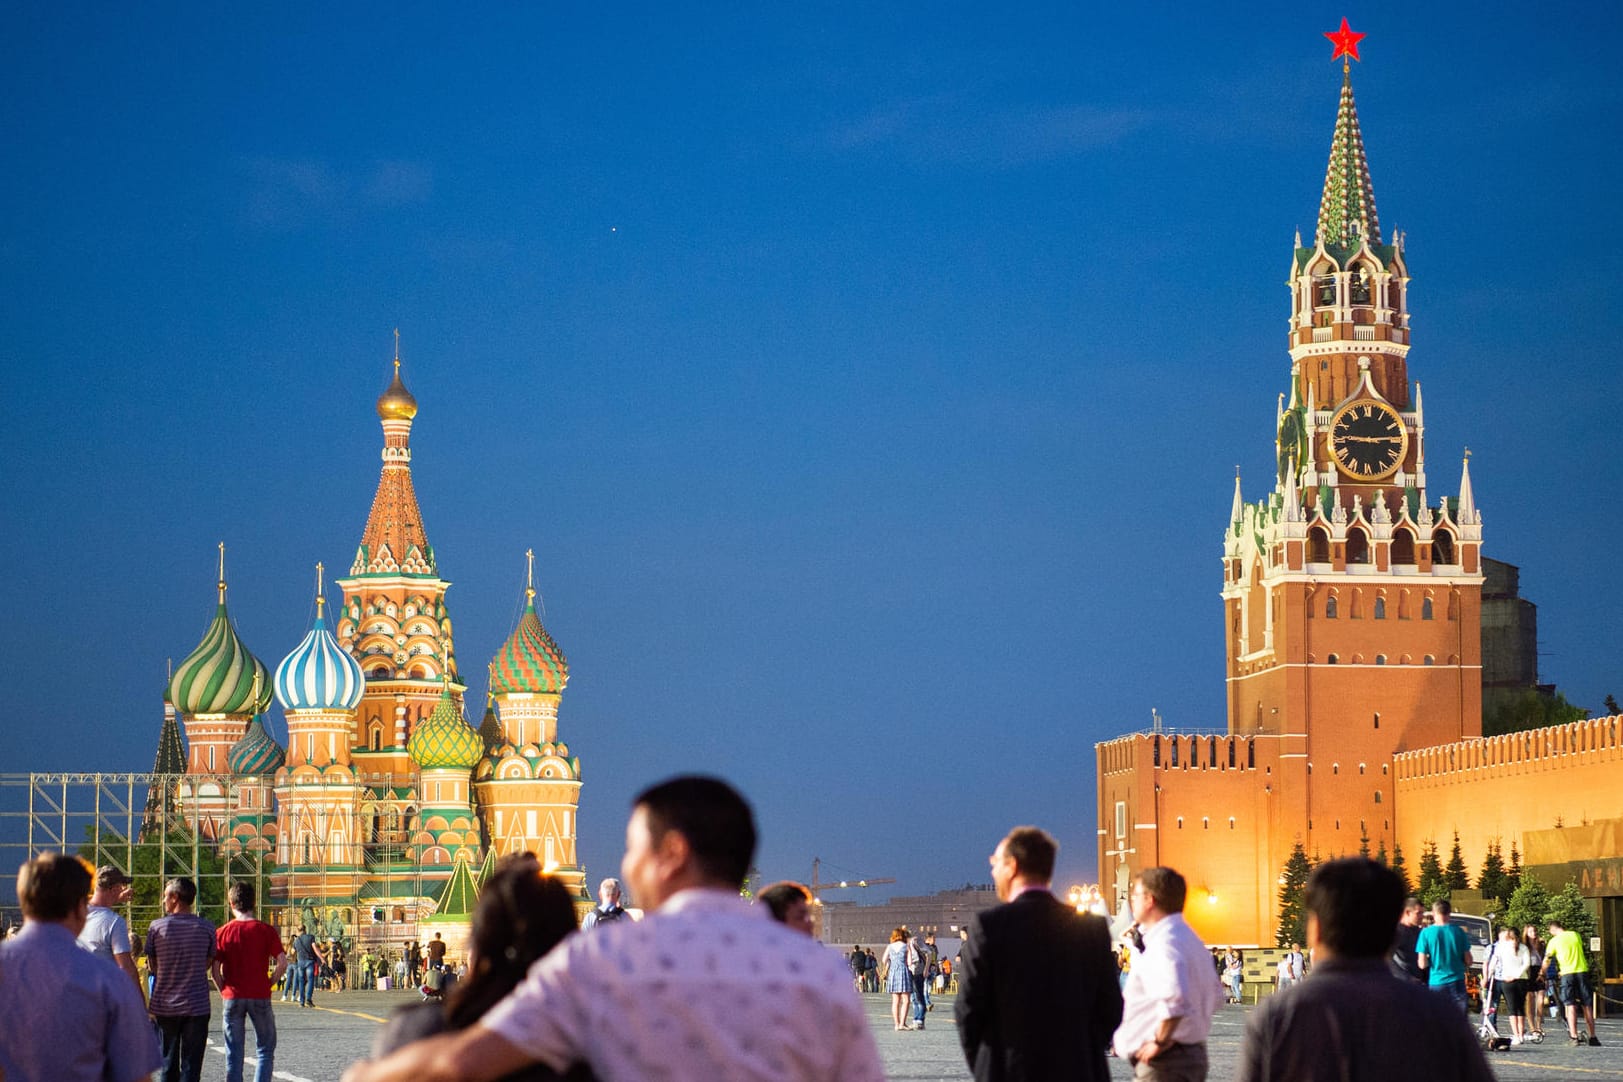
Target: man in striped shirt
179,949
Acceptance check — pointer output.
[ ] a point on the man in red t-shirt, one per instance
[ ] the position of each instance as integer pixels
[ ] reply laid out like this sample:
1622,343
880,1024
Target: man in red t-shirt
245,950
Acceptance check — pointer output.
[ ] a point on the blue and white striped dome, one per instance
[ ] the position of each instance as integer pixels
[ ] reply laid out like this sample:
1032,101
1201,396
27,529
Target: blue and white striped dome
319,674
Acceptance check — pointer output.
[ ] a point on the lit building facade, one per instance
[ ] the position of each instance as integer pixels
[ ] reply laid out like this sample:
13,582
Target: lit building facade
386,807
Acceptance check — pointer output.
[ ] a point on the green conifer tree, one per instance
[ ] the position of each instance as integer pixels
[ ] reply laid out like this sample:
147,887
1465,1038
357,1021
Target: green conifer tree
1292,912
1529,904
1380,853
1568,907
1401,866
1432,884
1455,875
1514,872
1493,882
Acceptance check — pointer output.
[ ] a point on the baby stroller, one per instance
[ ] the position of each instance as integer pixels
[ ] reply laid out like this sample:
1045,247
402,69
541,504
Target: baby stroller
1489,1030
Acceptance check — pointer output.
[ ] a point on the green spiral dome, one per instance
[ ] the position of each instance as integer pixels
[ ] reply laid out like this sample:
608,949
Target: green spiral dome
219,677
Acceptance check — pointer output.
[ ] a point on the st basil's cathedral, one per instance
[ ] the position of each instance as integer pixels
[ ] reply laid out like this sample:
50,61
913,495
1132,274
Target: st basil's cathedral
387,808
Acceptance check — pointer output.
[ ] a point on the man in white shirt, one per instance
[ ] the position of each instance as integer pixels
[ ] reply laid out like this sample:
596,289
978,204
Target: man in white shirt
1172,988
705,987
107,934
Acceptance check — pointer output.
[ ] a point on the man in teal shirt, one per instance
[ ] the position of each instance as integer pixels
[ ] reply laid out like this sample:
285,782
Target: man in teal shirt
1443,950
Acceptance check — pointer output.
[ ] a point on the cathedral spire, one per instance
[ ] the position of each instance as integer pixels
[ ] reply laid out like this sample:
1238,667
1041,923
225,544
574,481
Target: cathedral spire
1347,215
395,542
1237,510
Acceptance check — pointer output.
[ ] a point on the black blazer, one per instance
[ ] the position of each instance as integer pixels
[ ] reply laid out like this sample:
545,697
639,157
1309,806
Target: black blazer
1038,993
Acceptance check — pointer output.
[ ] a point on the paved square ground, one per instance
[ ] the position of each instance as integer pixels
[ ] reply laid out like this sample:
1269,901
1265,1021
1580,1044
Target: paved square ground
316,1044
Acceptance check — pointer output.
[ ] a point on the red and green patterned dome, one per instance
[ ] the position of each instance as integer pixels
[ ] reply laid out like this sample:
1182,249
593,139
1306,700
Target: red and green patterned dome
443,741
529,661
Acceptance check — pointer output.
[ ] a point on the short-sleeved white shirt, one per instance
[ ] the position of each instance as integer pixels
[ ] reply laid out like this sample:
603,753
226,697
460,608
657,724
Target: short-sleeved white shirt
704,987
105,933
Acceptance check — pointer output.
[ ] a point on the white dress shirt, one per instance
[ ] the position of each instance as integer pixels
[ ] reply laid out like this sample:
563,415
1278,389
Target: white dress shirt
1172,977
705,987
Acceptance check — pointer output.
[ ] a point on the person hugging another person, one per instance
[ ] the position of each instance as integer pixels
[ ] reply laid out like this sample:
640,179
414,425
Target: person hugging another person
790,904
520,916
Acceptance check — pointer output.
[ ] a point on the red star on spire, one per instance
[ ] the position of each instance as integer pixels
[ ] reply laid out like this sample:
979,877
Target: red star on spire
1345,41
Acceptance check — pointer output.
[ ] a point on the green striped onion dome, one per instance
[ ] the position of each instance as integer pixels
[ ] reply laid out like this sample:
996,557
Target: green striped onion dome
443,740
529,660
256,752
219,676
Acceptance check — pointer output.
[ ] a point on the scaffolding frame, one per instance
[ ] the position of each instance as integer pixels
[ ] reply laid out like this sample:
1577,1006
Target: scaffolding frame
139,823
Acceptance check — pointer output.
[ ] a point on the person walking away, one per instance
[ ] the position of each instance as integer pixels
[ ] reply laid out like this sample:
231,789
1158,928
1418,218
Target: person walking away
107,933
898,982
179,948
1037,990
918,966
1356,1020
703,988
68,1016
1567,951
1535,983
870,975
1506,967
414,963
1172,991
246,950
1442,950
858,960
436,952
608,908
307,958
1405,961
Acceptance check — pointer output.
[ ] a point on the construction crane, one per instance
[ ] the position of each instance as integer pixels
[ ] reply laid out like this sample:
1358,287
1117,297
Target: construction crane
817,884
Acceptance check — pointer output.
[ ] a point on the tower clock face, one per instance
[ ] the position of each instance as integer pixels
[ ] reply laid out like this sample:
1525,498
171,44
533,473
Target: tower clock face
1368,440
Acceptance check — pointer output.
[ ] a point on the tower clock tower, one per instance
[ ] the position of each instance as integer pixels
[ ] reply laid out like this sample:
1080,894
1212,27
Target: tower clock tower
1352,593
1351,599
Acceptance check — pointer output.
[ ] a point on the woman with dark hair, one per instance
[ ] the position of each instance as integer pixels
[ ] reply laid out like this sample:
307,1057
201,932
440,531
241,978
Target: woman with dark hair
520,916
790,903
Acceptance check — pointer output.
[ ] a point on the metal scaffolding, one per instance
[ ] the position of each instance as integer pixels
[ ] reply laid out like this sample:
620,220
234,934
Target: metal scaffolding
157,826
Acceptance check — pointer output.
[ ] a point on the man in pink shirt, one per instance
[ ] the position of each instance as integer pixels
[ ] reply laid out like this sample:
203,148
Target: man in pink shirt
245,950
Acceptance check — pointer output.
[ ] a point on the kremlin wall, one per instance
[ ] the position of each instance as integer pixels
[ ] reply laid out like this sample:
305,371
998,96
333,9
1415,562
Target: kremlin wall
1353,607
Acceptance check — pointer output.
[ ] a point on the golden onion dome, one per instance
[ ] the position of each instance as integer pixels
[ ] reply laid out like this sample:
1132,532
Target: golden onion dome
396,403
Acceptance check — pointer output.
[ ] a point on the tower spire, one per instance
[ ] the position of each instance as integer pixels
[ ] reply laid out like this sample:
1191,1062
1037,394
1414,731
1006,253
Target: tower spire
1347,215
1237,509
1467,507
529,575
222,573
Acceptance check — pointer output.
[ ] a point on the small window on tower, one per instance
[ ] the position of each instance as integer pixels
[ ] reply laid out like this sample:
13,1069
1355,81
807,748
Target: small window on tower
1425,609
1330,607
1332,659
1380,608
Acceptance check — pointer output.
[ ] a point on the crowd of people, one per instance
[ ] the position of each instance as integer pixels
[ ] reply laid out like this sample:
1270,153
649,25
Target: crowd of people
700,984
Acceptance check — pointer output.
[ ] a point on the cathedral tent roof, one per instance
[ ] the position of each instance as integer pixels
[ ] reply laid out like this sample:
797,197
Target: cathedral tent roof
461,892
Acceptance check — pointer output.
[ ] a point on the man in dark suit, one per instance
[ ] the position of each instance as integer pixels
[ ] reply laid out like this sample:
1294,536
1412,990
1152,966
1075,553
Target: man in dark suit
1038,992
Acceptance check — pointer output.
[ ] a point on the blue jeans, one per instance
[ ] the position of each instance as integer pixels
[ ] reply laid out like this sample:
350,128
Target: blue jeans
304,984
921,999
183,1039
259,1012
1455,990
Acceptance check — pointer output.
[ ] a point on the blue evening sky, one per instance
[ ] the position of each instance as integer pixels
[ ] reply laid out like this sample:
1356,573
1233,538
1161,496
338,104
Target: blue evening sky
869,379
